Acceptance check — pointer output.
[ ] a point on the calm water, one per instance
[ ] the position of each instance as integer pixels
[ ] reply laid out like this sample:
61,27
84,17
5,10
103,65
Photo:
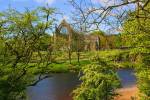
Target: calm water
127,77
60,86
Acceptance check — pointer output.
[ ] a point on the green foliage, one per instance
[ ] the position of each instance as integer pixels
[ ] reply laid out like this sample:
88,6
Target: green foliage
98,82
118,41
143,84
45,42
136,35
107,41
21,35
98,33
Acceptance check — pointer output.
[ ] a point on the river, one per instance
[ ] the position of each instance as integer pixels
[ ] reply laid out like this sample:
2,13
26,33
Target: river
60,86
57,87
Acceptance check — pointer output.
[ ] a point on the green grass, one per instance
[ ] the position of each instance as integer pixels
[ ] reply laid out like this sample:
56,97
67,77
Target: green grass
56,67
61,63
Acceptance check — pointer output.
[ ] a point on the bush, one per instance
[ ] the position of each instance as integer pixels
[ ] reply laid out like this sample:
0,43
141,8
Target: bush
98,82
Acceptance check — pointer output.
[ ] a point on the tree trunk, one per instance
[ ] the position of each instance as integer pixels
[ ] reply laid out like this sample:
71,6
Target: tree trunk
69,56
78,55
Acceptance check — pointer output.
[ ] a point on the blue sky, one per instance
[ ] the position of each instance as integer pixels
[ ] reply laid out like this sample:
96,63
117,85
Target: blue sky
21,4
61,5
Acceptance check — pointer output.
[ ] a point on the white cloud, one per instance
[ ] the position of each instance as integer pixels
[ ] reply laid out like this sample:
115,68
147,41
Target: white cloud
45,1
106,2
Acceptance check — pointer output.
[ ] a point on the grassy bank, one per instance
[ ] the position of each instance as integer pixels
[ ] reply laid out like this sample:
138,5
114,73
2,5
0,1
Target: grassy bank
120,59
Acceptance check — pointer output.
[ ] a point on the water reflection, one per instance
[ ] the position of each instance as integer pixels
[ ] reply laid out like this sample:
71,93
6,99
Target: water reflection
58,87
127,77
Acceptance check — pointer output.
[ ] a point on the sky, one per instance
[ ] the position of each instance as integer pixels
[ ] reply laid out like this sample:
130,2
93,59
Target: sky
21,4
61,5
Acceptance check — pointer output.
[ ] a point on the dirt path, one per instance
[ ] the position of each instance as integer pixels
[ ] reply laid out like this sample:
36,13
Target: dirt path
127,93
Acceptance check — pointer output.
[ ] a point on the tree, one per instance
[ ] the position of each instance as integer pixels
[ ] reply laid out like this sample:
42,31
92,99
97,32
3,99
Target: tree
21,33
78,44
130,17
98,82
136,35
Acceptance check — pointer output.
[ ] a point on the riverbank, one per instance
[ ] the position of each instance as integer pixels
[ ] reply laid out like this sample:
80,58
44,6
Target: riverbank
127,93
